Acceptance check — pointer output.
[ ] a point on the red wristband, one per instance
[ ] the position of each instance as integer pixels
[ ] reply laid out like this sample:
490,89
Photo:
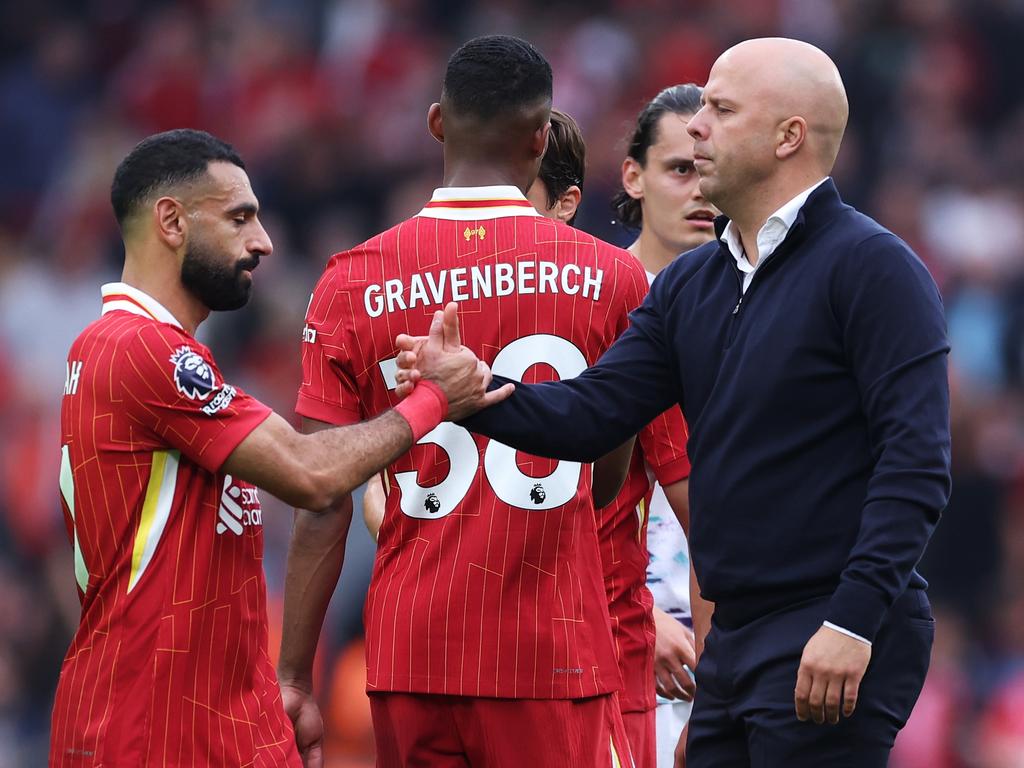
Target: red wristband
424,409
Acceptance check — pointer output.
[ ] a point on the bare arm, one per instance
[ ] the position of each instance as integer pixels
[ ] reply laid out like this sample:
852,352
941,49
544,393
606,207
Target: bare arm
678,495
700,611
610,473
318,471
373,505
673,649
316,555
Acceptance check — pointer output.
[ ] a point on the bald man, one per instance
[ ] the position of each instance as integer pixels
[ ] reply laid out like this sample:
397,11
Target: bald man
807,348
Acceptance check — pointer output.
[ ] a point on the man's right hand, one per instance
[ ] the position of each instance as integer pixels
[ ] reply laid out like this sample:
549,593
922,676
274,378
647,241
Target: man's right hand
673,648
441,358
302,709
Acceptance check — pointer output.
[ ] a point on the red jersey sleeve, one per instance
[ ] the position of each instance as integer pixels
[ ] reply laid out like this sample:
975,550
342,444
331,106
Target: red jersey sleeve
328,391
664,445
171,388
634,287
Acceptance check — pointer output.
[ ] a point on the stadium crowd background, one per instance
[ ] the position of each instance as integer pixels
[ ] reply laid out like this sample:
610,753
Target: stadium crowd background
326,100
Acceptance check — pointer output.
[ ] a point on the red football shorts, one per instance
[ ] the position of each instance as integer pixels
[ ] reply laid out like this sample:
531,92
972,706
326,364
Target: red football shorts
434,731
640,735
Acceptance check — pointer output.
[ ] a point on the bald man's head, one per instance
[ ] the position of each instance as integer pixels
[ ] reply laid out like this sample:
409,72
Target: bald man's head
795,79
774,109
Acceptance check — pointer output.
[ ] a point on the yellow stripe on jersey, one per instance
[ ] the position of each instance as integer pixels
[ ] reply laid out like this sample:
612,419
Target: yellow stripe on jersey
67,490
156,510
641,512
616,763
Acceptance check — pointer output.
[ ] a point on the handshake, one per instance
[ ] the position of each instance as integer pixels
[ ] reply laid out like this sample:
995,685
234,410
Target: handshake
439,357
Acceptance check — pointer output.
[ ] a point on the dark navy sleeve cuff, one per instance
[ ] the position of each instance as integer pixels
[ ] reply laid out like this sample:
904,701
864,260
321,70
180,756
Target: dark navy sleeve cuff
858,608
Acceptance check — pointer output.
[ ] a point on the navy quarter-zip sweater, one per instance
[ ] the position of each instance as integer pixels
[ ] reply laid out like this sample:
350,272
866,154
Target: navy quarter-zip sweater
818,408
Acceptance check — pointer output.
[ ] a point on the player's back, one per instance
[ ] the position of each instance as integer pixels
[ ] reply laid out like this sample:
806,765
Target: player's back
488,576
169,664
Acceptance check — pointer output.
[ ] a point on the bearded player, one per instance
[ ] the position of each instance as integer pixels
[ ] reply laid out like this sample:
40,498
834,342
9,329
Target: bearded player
169,665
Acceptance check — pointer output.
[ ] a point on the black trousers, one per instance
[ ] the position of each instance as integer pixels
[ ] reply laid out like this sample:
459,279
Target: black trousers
743,714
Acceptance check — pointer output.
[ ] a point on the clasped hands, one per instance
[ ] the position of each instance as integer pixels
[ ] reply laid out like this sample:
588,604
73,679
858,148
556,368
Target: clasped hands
440,357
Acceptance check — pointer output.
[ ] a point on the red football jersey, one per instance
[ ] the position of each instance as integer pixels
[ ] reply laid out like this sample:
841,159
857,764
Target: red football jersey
169,665
622,531
487,580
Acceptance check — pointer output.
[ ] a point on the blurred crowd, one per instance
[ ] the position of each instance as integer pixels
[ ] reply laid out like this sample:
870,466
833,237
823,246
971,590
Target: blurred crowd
326,100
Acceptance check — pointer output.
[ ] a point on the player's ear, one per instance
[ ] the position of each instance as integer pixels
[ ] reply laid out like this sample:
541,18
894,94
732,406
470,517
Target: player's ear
568,203
170,221
434,122
539,140
632,178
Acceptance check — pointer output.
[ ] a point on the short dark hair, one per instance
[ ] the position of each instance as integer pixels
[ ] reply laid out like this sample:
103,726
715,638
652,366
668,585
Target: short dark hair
564,161
683,99
164,160
496,75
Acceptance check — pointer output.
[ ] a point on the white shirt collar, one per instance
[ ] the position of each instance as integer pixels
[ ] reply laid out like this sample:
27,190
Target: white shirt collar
770,235
121,296
477,203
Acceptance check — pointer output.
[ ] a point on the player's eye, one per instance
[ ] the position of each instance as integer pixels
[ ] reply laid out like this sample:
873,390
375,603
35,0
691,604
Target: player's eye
684,169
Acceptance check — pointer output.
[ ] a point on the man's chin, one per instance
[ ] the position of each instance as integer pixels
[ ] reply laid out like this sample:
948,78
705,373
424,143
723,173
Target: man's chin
230,303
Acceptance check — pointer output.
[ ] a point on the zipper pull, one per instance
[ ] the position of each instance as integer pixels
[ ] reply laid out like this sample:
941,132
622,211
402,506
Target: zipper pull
736,309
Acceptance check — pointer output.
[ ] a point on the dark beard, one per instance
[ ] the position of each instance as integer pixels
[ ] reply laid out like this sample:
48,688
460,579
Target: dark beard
221,287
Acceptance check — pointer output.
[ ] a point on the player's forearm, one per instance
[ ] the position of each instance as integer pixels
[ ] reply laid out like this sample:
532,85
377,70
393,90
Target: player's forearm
316,554
316,471
610,474
342,459
678,497
700,611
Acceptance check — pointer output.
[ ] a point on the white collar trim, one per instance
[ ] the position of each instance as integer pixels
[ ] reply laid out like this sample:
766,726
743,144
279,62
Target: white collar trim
465,203
121,296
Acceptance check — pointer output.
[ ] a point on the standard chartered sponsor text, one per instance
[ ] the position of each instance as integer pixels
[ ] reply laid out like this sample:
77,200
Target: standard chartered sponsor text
523,277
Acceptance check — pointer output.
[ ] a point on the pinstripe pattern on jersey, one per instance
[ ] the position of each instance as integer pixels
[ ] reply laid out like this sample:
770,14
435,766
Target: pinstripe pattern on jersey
177,671
490,599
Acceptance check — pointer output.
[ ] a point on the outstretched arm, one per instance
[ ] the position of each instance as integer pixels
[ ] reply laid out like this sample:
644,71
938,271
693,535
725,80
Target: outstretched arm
579,419
317,471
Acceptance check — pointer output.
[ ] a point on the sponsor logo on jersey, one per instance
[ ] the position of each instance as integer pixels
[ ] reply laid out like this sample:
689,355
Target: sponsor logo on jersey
239,507
221,400
193,376
72,374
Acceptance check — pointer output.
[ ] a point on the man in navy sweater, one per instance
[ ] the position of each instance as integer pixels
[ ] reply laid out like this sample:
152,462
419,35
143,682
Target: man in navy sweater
807,348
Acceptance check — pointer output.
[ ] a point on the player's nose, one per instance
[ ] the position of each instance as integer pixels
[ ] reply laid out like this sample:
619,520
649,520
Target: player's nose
261,242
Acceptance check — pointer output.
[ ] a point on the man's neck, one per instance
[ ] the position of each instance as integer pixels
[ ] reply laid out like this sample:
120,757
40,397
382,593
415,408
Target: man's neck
469,174
653,252
750,217
167,290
